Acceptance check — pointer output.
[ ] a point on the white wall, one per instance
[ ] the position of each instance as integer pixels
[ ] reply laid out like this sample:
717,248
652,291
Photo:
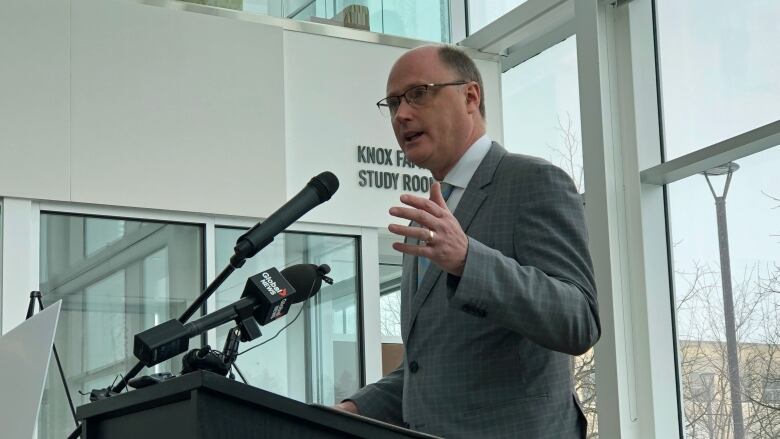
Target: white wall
175,110
331,87
119,103
34,99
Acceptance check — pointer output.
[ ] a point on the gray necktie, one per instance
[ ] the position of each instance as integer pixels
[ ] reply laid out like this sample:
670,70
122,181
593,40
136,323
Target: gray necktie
422,262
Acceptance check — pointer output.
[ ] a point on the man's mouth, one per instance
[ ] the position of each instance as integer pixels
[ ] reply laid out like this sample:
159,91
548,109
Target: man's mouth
412,136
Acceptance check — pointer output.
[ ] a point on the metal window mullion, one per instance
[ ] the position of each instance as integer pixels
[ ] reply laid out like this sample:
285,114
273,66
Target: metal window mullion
518,54
505,30
635,377
600,212
458,20
739,146
210,271
656,343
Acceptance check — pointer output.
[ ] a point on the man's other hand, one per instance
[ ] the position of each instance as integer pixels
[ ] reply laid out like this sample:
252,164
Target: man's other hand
347,406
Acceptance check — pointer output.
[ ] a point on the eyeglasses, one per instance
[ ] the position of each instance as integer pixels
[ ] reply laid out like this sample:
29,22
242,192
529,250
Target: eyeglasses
415,96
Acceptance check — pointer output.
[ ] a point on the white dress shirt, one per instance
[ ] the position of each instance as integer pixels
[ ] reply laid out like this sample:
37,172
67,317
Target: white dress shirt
461,174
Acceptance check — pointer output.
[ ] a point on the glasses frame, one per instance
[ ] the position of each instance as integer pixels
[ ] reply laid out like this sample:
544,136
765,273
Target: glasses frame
405,95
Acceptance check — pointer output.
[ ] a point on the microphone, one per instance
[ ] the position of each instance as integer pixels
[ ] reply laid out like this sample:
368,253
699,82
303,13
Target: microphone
306,278
267,296
317,191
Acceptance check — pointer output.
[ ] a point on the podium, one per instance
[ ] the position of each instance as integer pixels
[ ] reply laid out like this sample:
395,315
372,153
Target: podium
205,405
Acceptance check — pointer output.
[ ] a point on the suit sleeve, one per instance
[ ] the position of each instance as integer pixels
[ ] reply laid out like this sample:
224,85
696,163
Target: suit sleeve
382,400
546,291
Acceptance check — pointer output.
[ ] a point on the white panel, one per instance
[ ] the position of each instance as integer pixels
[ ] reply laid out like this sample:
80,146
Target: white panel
331,87
20,259
33,99
372,333
491,78
26,350
176,110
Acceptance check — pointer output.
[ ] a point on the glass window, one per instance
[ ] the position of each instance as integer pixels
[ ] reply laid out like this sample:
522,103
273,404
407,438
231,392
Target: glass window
102,232
541,109
483,12
427,20
772,390
717,281
390,300
718,69
390,262
542,118
115,278
317,357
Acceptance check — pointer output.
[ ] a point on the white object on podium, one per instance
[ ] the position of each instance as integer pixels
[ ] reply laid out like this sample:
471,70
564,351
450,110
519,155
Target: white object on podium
25,352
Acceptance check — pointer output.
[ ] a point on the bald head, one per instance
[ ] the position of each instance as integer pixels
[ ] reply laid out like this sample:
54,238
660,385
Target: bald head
440,114
454,59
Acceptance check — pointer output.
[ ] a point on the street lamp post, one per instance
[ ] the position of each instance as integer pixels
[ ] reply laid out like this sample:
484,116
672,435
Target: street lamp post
728,296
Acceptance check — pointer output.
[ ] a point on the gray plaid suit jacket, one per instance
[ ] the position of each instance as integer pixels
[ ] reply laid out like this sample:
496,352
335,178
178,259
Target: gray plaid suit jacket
488,354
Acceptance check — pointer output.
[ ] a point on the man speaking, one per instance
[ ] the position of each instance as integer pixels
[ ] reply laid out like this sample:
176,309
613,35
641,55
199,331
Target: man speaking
497,292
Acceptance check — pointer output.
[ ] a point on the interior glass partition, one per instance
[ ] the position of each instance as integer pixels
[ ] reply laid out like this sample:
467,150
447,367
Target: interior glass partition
115,277
316,355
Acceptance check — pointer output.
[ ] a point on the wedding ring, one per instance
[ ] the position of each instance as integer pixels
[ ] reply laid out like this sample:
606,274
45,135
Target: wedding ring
431,236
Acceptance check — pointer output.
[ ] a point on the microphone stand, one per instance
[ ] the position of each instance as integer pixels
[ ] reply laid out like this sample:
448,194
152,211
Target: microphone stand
98,394
230,351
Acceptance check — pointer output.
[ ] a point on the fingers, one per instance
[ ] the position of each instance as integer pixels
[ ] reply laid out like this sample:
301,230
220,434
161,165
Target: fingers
436,195
435,208
417,233
414,250
419,216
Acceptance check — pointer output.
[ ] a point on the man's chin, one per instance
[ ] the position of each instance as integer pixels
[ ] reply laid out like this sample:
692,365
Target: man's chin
414,155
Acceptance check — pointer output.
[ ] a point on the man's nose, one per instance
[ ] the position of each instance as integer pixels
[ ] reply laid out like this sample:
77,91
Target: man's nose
403,112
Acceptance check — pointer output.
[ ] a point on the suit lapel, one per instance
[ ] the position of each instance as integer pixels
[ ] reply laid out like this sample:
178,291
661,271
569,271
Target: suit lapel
473,197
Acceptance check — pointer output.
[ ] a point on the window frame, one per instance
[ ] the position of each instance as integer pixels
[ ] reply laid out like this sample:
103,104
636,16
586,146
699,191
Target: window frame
21,272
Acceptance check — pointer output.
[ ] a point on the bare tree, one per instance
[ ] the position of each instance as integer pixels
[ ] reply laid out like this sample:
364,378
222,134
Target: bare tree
704,370
569,153
774,207
584,368
390,309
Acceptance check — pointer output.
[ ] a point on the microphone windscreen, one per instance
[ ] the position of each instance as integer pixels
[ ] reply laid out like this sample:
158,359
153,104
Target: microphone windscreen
305,279
326,184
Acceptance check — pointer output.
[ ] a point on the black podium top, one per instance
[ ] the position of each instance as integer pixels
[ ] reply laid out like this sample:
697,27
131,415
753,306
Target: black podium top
205,404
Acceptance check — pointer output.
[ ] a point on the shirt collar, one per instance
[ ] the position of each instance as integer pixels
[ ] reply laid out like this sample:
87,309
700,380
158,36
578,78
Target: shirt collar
461,174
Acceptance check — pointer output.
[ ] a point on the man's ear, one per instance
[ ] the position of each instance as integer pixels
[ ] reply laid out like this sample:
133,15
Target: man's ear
473,96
